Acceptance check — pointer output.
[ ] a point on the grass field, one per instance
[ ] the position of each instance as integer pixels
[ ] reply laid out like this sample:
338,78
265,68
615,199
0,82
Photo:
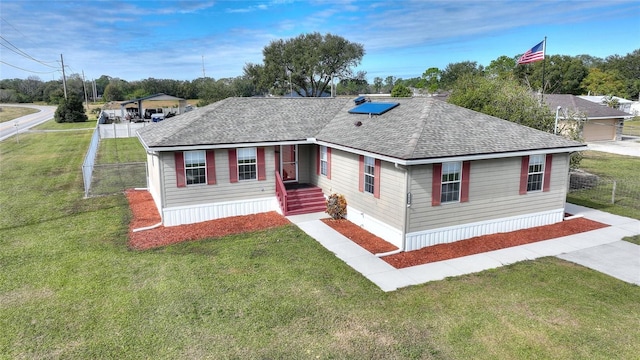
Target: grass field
70,288
623,169
9,113
632,127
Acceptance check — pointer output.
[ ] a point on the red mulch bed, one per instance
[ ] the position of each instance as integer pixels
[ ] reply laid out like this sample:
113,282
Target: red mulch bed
360,236
475,245
145,214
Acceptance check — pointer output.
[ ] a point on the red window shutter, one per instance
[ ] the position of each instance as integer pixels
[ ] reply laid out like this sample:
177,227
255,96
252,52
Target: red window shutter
276,152
524,174
466,170
233,166
318,157
180,176
329,163
546,184
361,173
262,171
436,182
376,177
211,167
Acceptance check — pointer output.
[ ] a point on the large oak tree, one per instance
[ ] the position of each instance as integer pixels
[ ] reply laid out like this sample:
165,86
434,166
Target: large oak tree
305,64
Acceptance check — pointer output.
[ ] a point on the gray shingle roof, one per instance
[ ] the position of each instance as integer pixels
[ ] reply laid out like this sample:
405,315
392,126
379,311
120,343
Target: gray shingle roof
589,108
245,120
419,128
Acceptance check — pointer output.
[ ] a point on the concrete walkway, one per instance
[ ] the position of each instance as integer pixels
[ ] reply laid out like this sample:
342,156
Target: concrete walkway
599,249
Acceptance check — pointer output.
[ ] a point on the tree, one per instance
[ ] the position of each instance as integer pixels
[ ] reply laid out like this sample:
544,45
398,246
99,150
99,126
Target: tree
70,110
377,84
562,75
604,83
389,82
431,79
501,67
353,86
401,91
453,71
305,64
502,98
628,67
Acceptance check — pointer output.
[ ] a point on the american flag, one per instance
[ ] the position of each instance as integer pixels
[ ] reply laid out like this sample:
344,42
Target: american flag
534,54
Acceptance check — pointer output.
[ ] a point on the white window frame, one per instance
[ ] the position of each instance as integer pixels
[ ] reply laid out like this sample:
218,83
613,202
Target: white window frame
535,173
195,162
369,174
247,158
324,161
450,177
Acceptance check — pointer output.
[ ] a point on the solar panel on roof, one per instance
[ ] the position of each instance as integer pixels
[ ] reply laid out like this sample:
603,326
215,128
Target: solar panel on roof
373,108
359,100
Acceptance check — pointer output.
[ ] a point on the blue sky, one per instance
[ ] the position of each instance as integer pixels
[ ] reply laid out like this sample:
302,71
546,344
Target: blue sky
135,40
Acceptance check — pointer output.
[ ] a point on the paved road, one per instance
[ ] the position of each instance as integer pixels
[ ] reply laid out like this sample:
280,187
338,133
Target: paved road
23,123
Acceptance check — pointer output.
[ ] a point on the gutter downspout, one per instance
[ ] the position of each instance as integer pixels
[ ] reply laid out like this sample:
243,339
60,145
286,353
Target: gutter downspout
404,216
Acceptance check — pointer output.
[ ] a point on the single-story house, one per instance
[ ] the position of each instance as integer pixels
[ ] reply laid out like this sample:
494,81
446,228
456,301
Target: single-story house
602,122
622,104
414,171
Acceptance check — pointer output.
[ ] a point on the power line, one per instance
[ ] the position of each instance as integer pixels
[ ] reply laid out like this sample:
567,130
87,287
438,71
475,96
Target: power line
24,54
31,71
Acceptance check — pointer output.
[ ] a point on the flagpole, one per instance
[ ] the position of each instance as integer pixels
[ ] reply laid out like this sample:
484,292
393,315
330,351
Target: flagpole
544,61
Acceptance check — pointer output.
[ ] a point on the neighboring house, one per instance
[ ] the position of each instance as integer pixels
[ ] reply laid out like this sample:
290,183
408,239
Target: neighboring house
622,103
602,122
419,173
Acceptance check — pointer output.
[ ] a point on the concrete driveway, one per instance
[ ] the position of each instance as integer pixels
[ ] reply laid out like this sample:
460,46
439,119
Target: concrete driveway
629,147
620,259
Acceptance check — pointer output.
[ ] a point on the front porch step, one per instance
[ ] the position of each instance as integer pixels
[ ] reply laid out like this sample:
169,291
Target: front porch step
305,200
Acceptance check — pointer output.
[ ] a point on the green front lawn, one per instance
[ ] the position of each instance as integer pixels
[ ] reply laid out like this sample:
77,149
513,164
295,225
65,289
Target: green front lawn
70,288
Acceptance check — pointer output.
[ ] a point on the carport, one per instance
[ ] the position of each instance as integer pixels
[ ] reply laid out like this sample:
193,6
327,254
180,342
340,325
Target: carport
182,103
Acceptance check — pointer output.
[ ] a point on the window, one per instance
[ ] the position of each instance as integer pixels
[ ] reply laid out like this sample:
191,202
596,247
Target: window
369,177
195,167
324,164
247,164
451,178
536,172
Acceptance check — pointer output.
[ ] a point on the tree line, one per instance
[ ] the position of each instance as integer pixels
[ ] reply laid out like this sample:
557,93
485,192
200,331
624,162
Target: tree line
308,64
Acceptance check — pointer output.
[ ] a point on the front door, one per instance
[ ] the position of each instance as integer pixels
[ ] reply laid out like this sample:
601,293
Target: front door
289,163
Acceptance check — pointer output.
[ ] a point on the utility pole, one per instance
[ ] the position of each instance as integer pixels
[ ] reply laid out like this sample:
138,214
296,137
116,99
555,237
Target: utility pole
64,79
203,74
84,86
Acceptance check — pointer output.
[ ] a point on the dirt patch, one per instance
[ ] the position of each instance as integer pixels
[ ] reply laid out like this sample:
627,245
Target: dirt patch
146,214
475,245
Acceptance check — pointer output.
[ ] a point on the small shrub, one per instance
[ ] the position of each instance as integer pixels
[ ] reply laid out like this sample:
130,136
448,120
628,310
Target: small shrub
337,206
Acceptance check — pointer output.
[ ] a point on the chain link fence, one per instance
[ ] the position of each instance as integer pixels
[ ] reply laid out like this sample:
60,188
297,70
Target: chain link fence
604,191
110,179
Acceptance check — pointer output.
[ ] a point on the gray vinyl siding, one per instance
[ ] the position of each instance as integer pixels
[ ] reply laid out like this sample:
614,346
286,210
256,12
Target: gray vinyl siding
493,193
344,180
224,190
